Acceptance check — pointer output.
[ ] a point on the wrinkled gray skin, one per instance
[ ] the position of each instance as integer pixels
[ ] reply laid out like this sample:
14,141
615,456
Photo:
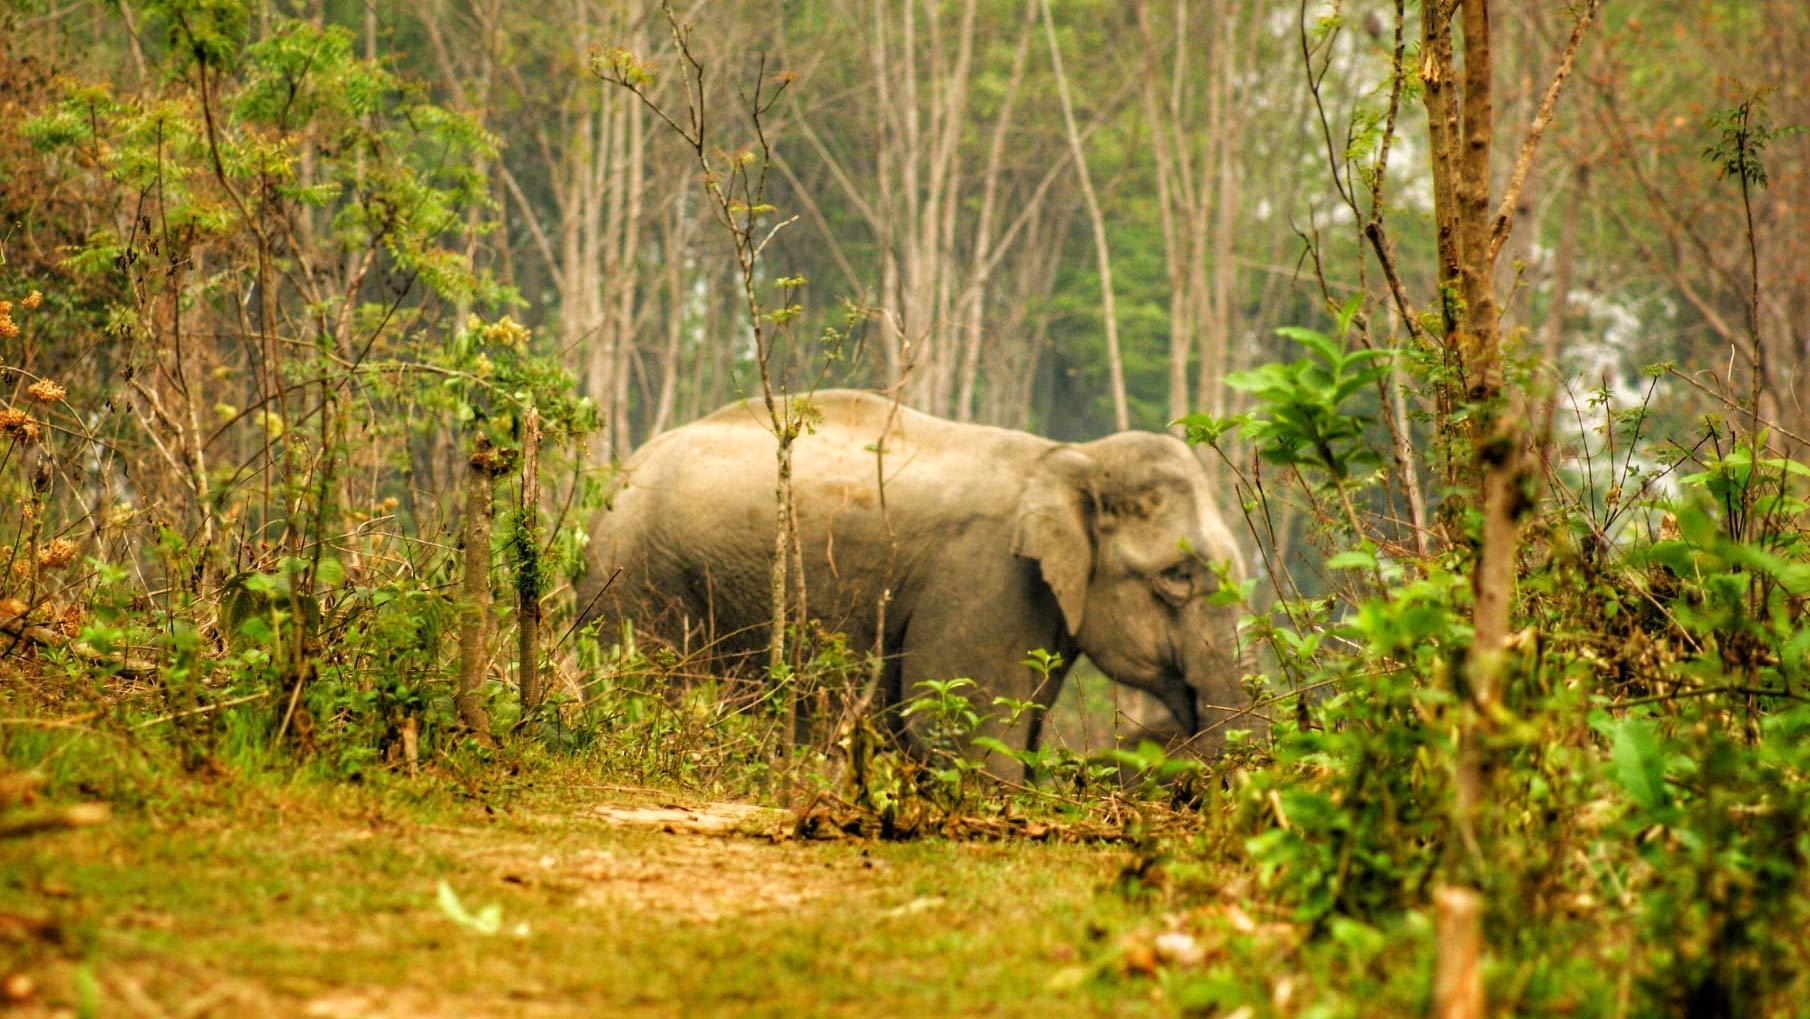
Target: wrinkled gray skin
1005,542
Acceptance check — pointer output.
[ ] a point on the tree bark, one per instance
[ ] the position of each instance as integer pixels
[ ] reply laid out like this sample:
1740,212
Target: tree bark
1226,126
676,242
627,257
1437,85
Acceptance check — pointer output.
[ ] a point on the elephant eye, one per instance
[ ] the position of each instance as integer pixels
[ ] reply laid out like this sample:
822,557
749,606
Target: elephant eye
1177,579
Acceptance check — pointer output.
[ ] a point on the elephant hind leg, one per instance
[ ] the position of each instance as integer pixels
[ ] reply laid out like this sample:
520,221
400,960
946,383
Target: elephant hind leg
888,703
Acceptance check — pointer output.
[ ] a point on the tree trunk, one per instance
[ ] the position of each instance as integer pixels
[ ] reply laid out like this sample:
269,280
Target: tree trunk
627,257
675,244
474,602
1480,348
1458,981
1437,88
973,333
1558,304
1162,121
528,568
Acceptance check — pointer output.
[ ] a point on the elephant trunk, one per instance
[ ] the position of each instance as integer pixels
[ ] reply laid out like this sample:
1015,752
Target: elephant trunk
1215,668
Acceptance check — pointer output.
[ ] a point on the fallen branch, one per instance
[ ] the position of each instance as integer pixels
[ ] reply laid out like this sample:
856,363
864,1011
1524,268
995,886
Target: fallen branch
44,636
830,822
72,722
81,815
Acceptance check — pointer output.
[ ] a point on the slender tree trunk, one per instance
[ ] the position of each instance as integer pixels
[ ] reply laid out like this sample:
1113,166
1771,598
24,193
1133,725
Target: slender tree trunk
1558,309
627,259
886,146
1482,354
474,602
1458,981
980,280
1209,184
1161,120
612,184
528,568
1460,157
1437,93
1115,362
675,247
1218,333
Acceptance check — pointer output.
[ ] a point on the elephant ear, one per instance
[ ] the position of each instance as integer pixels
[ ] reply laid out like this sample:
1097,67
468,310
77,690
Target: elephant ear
1054,527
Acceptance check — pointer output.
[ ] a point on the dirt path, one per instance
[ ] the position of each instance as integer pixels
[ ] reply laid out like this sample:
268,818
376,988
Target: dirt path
717,861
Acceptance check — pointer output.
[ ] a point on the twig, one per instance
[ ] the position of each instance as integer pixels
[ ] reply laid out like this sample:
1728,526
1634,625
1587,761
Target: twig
1711,691
1731,404
586,611
73,721
203,710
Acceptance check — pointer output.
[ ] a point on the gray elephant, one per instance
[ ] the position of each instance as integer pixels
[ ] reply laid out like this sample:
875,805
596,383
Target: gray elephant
992,542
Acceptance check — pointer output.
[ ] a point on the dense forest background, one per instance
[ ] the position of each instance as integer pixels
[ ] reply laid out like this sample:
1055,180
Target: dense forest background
922,163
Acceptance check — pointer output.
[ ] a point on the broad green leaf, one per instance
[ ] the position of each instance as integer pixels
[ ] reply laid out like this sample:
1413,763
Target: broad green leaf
989,743
330,573
1353,559
1639,764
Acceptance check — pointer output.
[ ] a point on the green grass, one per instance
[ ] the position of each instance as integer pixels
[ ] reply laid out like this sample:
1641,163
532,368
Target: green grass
258,886
244,897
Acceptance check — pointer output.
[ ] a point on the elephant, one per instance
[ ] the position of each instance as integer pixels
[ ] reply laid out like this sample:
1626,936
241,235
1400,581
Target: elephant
986,542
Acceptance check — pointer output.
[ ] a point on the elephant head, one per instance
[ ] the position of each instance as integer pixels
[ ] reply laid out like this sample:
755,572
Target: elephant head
1126,534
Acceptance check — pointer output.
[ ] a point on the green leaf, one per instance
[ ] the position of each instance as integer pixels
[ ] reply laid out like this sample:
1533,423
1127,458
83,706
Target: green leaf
1314,340
1205,429
1347,312
330,572
989,743
270,585
488,920
1639,764
257,630
1353,559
